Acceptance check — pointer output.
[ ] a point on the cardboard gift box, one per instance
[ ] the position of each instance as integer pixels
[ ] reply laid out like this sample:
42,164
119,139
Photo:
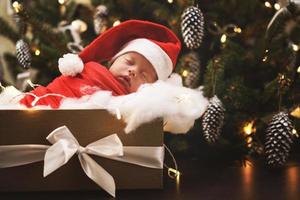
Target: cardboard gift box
33,126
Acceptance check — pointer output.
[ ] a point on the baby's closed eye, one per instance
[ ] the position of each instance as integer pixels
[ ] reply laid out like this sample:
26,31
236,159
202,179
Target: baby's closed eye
129,61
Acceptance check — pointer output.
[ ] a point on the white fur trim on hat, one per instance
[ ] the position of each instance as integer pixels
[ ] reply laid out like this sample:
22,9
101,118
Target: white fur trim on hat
70,64
153,53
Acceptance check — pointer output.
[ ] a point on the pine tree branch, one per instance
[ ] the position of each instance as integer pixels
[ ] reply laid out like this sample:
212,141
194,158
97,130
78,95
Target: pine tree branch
12,63
7,31
48,34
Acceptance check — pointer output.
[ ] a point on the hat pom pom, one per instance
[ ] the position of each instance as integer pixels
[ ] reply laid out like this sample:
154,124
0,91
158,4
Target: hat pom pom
70,64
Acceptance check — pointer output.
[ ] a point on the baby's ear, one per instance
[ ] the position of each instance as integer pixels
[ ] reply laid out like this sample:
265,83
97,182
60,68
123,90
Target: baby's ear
70,64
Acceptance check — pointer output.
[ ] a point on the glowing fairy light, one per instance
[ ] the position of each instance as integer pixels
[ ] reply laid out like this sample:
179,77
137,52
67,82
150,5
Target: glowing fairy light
223,38
268,4
265,59
37,52
117,22
237,30
277,6
294,132
185,73
17,6
248,128
249,140
295,47
61,2
296,112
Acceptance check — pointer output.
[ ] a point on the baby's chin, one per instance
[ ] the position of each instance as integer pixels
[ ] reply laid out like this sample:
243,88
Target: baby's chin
133,89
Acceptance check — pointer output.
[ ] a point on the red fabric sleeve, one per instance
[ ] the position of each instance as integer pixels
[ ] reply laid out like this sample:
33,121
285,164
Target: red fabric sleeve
94,77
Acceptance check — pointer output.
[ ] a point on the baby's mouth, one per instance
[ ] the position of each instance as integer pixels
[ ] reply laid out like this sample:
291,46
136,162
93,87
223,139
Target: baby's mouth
125,80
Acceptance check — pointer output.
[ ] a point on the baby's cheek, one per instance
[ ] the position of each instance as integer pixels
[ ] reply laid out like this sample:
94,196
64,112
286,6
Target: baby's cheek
135,84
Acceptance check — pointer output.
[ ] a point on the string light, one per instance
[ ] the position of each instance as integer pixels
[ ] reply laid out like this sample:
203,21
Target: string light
117,22
32,84
248,128
295,47
61,2
249,140
185,73
37,52
296,112
277,6
268,4
79,25
298,70
17,6
284,81
37,98
237,30
170,1
265,59
223,38
266,56
294,132
173,173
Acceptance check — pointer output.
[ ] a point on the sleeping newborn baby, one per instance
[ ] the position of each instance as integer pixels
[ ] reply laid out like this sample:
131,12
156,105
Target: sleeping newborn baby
140,52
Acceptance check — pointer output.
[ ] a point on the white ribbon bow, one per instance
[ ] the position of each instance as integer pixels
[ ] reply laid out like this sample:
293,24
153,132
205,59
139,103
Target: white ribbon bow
65,146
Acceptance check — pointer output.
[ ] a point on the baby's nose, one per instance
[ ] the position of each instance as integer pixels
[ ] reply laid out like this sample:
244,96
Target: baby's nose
132,72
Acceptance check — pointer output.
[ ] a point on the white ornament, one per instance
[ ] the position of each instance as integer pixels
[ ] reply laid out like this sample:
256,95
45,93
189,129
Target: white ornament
75,28
70,65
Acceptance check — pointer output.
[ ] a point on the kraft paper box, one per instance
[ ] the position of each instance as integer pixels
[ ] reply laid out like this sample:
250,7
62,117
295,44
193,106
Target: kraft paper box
33,126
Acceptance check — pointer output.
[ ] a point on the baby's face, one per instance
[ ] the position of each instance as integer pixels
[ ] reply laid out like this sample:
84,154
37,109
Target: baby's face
132,70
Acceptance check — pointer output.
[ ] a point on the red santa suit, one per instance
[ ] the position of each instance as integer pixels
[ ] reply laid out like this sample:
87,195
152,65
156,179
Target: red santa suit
94,77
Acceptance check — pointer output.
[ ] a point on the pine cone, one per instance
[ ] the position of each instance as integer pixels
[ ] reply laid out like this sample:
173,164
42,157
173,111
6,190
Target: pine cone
23,53
100,19
194,65
213,120
278,140
192,27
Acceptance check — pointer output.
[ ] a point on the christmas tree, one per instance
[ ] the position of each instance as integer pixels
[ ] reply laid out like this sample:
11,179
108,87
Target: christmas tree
245,54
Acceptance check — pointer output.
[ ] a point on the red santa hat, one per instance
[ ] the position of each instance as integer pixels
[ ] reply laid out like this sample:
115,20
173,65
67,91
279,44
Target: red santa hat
158,44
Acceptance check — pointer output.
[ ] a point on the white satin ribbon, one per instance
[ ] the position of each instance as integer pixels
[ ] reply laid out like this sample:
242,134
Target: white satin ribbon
65,146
